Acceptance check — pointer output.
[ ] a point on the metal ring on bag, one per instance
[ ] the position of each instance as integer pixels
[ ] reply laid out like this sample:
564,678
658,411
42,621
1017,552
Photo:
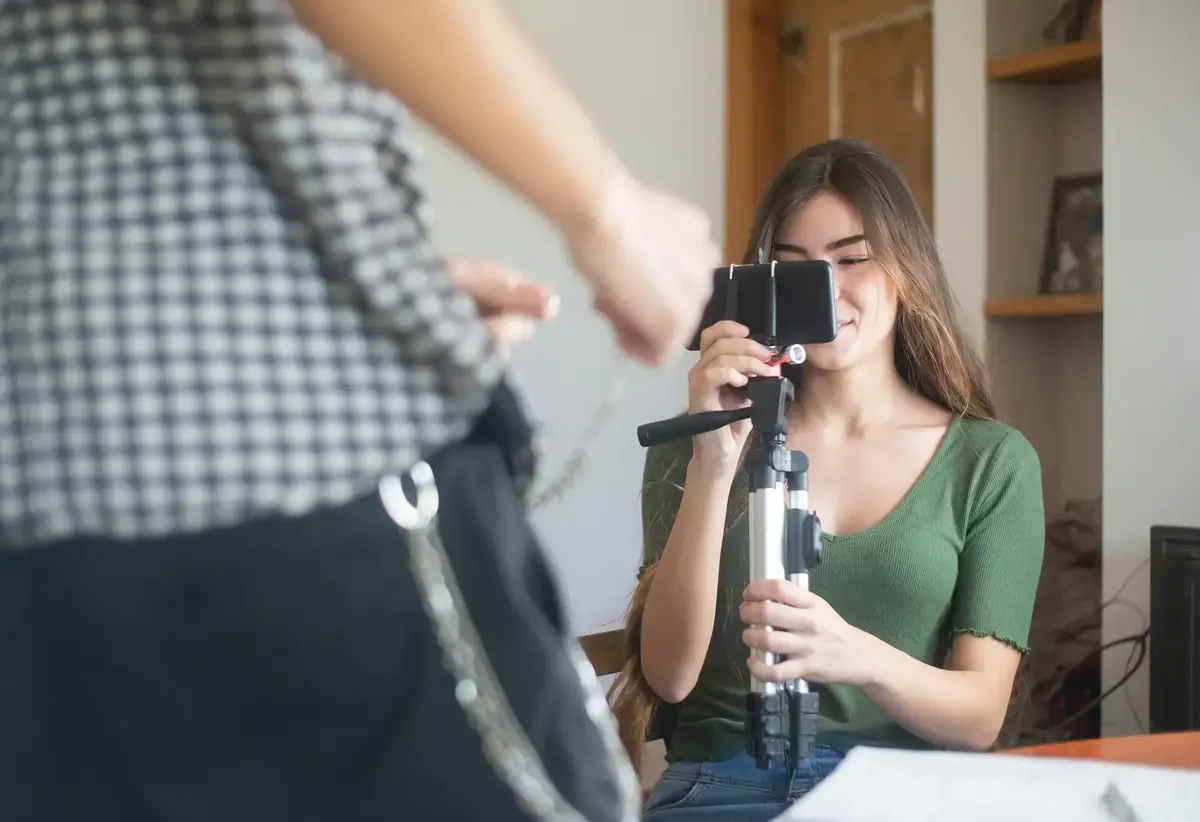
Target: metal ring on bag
408,515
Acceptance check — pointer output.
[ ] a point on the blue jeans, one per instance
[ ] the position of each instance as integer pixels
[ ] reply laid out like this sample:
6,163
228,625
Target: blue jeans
734,790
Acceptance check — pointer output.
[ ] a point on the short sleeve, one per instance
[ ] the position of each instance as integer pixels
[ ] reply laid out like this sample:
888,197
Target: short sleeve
662,491
1001,560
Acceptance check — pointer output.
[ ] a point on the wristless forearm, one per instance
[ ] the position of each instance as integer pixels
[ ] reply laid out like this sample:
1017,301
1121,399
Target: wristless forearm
681,605
944,707
465,68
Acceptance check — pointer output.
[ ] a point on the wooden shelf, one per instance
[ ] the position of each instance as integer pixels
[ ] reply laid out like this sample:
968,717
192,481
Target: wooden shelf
1069,63
1045,305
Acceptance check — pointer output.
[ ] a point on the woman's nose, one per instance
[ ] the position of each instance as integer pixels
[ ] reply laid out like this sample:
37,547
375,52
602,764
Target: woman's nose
838,281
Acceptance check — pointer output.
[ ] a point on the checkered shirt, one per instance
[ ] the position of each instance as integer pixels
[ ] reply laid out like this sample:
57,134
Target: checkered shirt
217,295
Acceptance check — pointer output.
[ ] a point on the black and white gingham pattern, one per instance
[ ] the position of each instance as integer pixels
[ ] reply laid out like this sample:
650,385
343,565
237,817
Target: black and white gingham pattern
217,298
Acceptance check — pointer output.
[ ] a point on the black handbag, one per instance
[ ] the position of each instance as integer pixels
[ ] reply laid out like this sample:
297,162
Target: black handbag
523,686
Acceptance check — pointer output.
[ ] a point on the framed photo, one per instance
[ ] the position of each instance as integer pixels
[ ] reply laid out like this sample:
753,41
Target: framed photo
1074,256
1093,28
1075,20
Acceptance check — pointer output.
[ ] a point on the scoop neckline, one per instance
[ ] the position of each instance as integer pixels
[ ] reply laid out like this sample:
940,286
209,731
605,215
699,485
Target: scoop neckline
913,490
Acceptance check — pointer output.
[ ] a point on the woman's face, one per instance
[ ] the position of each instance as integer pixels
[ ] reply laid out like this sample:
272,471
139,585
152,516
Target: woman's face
829,228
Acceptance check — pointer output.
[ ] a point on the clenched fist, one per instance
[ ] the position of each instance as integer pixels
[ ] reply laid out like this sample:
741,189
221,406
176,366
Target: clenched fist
650,257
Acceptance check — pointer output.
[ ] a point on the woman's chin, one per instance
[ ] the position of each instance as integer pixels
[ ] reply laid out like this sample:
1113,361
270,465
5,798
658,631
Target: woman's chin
825,366
832,356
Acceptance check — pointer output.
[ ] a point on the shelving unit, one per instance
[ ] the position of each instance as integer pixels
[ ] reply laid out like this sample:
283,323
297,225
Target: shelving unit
1068,63
1045,305
1043,351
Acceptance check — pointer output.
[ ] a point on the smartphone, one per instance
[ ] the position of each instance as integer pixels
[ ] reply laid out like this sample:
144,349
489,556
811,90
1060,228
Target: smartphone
781,303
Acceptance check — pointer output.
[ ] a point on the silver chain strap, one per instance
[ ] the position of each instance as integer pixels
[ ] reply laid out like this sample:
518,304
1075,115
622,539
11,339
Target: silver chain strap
477,690
577,461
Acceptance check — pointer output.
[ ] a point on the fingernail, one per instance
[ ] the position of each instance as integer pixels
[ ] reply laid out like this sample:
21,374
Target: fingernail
553,304
522,328
512,330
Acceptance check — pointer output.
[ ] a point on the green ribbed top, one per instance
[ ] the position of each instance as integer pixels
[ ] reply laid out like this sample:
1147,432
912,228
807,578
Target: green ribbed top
962,552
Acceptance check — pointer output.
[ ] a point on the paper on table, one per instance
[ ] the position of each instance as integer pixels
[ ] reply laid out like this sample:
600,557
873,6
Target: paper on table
883,785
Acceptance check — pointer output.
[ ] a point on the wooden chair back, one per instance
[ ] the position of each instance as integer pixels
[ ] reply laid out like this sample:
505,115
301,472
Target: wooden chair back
605,650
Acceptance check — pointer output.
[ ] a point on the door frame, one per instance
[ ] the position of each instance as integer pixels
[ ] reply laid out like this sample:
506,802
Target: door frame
754,112
755,130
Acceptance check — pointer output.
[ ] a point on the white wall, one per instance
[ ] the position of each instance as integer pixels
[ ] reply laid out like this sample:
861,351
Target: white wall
653,76
1151,304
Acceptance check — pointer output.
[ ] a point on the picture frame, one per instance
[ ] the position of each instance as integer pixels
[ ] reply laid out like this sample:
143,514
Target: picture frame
1075,20
1093,29
1073,260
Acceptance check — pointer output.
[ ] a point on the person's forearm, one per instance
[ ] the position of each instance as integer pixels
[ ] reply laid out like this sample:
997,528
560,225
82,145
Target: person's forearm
948,708
678,619
465,68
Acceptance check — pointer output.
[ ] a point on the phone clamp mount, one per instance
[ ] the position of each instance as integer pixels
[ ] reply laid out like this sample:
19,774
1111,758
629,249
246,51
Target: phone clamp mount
785,543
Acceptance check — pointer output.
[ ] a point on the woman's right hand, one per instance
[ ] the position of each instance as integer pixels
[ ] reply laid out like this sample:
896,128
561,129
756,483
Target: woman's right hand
651,258
728,357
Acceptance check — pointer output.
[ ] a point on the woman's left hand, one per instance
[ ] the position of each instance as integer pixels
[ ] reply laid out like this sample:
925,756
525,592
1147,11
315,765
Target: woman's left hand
819,645
511,306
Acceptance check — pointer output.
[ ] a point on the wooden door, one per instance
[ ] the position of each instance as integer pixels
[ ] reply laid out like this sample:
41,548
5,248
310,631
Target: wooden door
836,68
863,68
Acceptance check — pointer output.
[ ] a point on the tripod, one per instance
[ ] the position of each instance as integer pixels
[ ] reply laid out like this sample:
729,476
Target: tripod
785,543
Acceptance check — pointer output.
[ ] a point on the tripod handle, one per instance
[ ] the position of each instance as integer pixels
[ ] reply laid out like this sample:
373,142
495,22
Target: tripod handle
688,425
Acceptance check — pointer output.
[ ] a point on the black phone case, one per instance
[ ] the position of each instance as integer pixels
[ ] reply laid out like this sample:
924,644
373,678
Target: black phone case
782,303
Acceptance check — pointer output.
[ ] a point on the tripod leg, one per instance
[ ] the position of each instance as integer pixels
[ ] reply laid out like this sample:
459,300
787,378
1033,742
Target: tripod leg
803,539
767,701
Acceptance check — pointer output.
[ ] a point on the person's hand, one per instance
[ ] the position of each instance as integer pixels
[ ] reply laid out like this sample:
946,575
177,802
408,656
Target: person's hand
728,357
821,646
650,258
510,305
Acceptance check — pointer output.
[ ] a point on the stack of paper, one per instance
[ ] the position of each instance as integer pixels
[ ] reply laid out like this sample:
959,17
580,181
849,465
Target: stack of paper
879,785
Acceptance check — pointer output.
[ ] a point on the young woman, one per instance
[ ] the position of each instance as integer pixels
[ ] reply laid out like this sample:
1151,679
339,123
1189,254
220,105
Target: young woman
932,516
224,331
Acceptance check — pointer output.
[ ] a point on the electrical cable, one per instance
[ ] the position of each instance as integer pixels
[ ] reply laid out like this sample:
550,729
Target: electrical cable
1139,646
1139,642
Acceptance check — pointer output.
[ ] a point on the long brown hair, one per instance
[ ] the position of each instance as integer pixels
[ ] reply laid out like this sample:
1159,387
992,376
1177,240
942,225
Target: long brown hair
932,353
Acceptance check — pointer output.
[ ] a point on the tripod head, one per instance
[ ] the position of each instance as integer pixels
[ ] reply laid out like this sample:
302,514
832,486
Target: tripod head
769,399
785,543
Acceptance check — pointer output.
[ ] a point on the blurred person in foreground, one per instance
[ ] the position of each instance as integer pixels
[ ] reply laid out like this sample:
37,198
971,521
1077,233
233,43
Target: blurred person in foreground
222,325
